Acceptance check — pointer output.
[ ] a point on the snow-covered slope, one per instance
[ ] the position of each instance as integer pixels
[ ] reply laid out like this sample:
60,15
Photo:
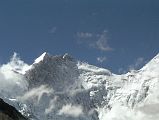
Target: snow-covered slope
62,88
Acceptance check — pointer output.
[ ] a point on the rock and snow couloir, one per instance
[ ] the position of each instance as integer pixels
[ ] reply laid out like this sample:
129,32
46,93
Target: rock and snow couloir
62,88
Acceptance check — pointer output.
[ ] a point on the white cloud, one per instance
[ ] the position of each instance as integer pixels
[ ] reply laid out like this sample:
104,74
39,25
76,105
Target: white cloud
102,42
71,110
139,61
51,105
101,59
11,81
36,93
17,64
97,41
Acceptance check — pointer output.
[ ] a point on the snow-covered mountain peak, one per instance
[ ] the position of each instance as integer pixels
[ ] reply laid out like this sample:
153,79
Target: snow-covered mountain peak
66,55
41,57
59,72
63,86
46,56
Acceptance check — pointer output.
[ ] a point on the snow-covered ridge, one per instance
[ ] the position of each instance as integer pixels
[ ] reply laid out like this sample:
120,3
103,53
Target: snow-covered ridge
41,58
62,88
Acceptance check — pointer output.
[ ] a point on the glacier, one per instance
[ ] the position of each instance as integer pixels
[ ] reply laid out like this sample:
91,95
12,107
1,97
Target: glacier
63,88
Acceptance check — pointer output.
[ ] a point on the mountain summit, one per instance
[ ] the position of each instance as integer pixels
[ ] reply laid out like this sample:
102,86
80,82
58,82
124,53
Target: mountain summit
44,56
62,88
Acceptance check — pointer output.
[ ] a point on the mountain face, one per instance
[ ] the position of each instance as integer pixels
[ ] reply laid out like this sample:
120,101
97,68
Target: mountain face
62,88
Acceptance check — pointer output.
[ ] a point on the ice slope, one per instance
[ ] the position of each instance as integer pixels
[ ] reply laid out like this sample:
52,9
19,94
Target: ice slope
138,92
62,88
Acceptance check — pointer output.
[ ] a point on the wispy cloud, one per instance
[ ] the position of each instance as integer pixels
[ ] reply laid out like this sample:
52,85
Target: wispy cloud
138,62
97,41
51,105
36,93
84,35
102,42
71,110
122,71
53,30
101,59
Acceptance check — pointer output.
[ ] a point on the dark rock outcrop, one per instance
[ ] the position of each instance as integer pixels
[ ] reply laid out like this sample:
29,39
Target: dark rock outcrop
8,112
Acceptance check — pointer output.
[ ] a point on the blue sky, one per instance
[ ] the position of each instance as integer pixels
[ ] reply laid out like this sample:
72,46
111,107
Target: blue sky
114,34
